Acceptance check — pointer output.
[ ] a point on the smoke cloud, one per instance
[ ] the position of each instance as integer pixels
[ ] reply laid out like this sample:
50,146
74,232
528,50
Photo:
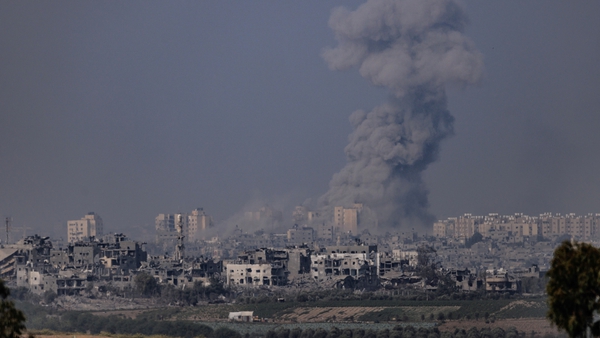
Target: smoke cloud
414,48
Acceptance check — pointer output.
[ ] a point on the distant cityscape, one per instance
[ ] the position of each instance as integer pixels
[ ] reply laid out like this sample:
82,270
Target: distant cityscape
495,253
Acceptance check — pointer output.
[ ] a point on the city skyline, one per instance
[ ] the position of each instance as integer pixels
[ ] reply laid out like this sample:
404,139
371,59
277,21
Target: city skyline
148,109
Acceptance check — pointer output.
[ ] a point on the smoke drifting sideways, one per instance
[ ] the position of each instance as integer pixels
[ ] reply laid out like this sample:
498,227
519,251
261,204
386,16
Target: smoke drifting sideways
415,49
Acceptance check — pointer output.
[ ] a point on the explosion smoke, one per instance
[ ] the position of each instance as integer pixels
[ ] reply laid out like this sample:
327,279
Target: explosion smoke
415,48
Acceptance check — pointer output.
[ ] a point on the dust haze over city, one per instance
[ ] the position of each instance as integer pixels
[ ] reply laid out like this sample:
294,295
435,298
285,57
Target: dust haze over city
137,109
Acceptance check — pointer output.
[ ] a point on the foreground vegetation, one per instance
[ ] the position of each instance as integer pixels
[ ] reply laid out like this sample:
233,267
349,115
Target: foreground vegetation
387,309
203,320
336,332
196,311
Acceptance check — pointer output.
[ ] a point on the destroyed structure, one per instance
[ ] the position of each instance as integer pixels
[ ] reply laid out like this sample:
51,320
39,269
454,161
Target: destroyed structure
115,260
492,253
191,226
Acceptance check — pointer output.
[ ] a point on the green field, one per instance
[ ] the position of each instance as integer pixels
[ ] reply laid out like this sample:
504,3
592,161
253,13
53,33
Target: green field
389,310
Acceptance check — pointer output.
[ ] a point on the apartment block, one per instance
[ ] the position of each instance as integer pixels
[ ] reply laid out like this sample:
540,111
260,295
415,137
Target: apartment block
347,219
82,229
198,221
519,226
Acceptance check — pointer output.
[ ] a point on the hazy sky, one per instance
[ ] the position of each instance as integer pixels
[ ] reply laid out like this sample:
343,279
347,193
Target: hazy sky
131,109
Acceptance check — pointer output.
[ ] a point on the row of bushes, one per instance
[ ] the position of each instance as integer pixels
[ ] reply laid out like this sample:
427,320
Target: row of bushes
73,321
398,332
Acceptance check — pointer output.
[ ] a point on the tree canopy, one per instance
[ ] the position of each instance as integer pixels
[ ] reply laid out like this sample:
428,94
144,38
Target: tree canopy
12,320
574,288
146,284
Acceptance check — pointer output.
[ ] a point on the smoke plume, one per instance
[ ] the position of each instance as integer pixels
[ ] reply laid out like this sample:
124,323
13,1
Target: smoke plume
415,48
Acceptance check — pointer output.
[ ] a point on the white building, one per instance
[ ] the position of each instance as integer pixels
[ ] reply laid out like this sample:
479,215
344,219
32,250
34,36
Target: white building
242,316
325,266
256,274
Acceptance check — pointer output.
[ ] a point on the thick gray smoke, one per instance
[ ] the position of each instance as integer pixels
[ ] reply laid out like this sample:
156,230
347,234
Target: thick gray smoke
415,48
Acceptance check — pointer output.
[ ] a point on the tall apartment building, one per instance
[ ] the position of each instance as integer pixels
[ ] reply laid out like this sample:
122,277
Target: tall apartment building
347,219
444,228
467,225
192,225
518,225
198,221
165,228
82,229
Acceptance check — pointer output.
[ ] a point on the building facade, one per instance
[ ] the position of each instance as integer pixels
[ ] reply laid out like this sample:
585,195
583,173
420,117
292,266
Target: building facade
347,219
81,230
517,227
198,222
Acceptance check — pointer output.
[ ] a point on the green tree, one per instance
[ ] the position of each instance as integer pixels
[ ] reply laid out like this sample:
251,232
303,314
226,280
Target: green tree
283,333
320,333
12,320
574,288
347,333
446,286
146,284
297,333
497,332
307,333
334,332
49,296
512,332
473,333
224,332
385,333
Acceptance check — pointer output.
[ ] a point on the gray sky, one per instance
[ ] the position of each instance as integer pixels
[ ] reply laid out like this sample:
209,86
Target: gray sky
131,109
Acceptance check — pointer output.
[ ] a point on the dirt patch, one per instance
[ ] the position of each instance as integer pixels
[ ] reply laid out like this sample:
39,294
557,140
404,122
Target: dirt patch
540,326
415,312
123,313
328,314
517,303
77,303
348,313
